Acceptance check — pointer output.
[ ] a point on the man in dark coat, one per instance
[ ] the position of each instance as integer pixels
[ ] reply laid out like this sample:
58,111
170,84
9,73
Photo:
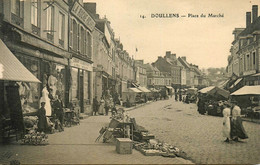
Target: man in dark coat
42,121
58,110
95,105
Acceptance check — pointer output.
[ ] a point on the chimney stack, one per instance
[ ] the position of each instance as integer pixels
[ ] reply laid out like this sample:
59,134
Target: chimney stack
184,58
254,12
168,53
248,18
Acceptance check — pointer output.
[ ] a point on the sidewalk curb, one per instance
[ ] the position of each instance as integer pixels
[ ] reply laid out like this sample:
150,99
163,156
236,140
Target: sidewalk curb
139,105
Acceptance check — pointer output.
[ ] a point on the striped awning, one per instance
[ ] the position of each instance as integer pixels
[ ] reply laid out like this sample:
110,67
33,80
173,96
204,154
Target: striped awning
11,68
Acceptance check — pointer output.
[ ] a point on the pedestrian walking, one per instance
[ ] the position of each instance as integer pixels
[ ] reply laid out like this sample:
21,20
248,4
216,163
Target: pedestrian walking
58,110
42,121
95,106
226,122
201,105
107,105
180,95
176,96
101,110
237,128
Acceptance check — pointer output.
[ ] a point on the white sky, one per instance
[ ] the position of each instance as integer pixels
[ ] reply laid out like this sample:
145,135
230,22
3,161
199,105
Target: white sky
204,41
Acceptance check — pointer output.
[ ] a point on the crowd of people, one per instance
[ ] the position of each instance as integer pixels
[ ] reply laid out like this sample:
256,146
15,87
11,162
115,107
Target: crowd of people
107,102
57,113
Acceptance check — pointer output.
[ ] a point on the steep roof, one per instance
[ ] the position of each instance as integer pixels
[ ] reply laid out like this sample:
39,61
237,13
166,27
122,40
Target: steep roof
251,28
184,62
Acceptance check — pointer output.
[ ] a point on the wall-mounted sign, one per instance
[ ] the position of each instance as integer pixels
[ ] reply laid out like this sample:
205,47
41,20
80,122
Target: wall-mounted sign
75,62
83,15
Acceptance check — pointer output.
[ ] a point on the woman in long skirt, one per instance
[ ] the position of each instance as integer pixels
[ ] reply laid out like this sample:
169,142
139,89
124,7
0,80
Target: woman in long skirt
101,110
237,128
226,122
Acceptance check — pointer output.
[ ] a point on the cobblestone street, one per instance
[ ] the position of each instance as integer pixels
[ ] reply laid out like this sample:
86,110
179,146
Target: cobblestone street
200,136
76,145
173,122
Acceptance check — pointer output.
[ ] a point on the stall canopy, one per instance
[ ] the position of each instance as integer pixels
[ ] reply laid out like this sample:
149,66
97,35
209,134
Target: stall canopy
207,89
215,91
248,90
143,89
11,68
219,92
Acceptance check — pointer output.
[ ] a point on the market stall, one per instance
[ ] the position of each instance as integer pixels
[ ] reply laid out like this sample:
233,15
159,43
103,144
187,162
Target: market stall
126,133
213,98
13,77
130,96
248,98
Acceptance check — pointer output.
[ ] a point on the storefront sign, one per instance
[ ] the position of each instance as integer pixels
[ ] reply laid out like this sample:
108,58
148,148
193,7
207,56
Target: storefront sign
249,72
75,62
83,16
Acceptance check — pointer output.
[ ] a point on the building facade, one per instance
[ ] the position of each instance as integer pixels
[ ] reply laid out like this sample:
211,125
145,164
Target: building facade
36,32
244,61
81,27
168,67
141,76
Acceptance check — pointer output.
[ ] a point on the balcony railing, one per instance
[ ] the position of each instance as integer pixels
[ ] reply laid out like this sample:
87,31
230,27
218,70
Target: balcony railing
61,42
35,30
16,20
50,37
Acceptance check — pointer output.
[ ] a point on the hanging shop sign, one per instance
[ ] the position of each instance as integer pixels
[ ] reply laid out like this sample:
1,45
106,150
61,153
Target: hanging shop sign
75,62
83,16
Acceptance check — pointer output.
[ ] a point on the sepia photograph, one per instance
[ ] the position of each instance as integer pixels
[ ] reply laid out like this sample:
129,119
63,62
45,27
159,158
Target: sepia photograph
129,82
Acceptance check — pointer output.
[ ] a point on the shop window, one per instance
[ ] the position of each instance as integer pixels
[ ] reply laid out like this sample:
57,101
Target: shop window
58,82
87,86
74,85
29,92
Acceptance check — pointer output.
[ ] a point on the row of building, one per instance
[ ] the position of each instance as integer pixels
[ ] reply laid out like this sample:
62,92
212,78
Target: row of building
74,52
170,71
244,61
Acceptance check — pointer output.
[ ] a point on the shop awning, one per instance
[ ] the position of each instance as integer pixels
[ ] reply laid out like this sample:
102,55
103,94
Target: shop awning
236,82
256,75
135,90
207,89
169,87
143,89
248,90
11,68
